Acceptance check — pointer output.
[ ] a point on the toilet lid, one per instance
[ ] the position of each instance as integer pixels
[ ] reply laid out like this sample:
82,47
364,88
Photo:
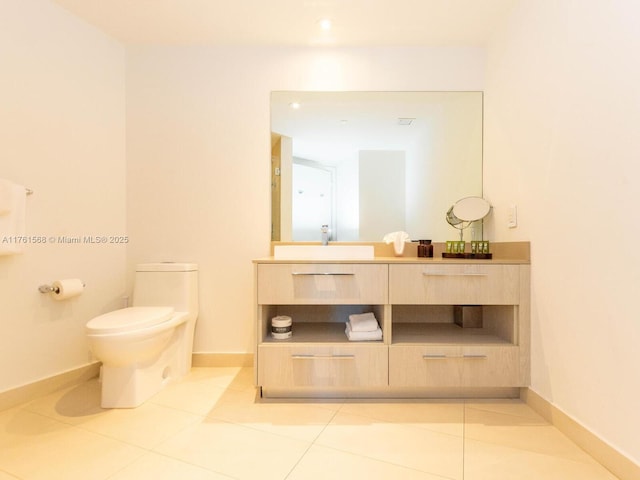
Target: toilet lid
126,319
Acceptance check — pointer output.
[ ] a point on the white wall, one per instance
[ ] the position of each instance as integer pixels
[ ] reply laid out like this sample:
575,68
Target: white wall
312,202
347,197
62,134
562,110
382,192
445,166
198,148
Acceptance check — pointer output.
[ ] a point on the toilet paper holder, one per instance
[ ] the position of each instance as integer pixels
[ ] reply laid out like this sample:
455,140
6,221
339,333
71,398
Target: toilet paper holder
52,289
48,289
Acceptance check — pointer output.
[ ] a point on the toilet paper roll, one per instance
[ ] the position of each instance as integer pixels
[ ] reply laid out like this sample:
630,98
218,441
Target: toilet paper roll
68,288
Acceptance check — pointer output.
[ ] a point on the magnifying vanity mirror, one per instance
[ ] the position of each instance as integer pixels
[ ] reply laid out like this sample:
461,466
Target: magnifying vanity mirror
466,211
369,163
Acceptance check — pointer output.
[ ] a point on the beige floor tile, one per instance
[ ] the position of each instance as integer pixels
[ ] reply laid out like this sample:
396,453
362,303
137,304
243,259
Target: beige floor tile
19,427
235,450
73,405
416,448
444,416
531,434
333,404
302,421
6,476
144,426
237,378
244,379
252,396
158,467
505,406
238,397
212,425
321,463
197,397
222,377
486,461
34,447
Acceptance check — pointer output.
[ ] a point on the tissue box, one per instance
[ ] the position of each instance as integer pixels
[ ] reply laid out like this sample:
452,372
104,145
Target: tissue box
468,316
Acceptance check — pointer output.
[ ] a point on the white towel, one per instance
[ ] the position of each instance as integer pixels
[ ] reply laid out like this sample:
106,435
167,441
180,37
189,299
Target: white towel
363,322
12,225
362,336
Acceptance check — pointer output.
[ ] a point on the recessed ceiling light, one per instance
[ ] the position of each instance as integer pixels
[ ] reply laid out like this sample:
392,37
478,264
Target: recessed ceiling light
325,24
294,105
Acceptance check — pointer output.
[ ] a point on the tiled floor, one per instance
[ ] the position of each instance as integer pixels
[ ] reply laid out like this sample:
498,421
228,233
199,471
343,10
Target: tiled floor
211,426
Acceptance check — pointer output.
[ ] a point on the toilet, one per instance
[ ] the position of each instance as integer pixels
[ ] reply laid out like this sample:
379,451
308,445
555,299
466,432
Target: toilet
148,345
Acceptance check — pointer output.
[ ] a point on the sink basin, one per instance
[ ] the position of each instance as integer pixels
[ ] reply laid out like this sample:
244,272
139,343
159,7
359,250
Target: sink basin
323,252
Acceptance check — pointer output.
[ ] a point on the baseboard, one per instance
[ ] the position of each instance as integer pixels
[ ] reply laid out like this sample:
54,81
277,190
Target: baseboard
621,466
222,360
45,386
386,392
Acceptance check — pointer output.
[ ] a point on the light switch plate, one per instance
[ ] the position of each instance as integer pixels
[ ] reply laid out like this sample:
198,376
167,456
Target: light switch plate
512,216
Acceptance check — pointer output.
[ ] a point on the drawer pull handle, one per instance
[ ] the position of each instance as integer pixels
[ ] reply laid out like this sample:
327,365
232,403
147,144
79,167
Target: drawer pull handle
430,274
302,274
323,357
443,356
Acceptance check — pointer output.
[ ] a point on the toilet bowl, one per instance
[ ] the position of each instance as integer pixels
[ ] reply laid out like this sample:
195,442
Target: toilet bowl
144,347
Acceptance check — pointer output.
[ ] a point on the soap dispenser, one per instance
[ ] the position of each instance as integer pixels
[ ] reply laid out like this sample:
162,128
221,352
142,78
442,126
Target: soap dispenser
324,232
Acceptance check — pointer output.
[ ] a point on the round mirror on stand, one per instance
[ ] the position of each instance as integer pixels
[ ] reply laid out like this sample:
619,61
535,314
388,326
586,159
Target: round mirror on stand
466,211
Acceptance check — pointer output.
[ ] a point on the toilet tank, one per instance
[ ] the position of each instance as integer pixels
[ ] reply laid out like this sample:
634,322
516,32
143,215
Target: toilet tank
167,284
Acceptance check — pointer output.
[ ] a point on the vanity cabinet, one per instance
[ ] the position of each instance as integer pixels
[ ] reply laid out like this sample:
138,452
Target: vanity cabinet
423,351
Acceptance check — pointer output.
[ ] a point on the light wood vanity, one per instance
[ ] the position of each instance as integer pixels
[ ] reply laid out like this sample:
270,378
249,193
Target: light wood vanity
423,353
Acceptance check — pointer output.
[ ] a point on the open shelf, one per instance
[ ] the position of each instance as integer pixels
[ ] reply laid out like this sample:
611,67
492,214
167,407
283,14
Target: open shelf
443,334
317,332
316,323
434,324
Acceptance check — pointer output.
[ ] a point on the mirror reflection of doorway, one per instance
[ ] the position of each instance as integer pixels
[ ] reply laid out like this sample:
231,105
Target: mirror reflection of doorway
313,202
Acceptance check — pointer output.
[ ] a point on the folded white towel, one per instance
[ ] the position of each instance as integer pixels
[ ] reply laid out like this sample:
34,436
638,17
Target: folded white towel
363,322
362,336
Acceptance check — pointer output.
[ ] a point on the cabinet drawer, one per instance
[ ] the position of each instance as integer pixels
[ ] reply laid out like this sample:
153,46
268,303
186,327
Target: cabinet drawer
453,366
355,365
308,283
454,284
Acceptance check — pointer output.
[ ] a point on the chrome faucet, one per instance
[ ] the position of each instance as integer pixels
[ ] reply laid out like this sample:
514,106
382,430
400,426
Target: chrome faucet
325,234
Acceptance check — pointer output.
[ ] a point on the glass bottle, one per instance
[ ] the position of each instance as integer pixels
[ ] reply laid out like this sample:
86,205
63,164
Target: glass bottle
425,249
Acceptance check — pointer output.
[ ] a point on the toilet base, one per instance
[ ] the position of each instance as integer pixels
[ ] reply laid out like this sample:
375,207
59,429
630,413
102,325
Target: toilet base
129,387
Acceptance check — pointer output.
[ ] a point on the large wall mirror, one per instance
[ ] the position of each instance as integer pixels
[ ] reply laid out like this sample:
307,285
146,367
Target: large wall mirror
370,163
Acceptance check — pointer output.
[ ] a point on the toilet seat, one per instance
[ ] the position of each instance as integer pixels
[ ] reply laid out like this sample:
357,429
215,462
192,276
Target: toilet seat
128,319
